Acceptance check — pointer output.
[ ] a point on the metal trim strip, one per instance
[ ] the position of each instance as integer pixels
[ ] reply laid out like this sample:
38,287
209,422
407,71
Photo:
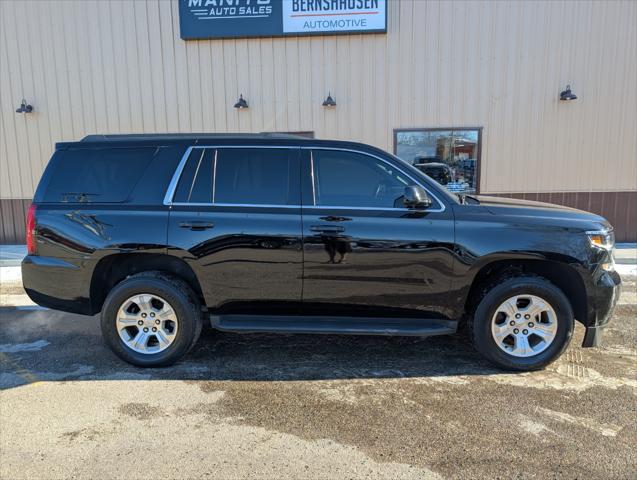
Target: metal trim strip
170,192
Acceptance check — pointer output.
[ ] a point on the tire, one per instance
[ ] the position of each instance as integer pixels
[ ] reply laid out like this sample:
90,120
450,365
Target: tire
167,294
493,316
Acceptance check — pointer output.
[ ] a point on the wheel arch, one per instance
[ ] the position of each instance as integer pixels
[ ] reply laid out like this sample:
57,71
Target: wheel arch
114,268
562,275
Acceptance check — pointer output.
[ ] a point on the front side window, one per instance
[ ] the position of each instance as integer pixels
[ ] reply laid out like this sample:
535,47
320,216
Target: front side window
246,176
349,179
450,157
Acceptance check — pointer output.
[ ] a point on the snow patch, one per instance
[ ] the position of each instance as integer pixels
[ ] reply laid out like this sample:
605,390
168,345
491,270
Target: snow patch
23,347
604,429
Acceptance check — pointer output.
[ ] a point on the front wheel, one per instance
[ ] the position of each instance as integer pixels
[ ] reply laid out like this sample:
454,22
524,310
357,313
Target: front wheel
523,323
151,319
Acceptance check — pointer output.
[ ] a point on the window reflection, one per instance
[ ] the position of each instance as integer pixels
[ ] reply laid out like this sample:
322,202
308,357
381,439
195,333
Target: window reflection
450,156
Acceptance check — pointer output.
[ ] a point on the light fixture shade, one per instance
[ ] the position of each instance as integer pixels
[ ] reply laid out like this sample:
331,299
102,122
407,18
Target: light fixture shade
567,95
241,103
329,101
24,107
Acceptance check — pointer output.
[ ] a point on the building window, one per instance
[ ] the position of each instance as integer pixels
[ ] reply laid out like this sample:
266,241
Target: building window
451,156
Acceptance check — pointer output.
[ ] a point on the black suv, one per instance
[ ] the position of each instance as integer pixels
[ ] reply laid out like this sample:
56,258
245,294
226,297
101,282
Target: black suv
274,233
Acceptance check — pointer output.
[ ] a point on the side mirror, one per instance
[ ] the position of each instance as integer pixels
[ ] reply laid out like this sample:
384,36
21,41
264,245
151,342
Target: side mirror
416,197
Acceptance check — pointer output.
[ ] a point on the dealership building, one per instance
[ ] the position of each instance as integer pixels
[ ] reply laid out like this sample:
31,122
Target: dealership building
529,99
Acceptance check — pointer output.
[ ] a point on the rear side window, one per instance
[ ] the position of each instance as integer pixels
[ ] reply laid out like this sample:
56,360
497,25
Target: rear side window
246,176
255,176
96,175
195,183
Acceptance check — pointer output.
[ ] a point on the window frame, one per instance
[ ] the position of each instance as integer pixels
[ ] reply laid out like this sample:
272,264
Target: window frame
453,129
172,186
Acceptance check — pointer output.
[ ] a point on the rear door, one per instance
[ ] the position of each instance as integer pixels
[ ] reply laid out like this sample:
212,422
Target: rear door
364,252
236,219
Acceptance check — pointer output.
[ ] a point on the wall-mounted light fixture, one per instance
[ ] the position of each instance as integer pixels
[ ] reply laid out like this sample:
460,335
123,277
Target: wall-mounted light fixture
241,103
567,95
24,107
329,101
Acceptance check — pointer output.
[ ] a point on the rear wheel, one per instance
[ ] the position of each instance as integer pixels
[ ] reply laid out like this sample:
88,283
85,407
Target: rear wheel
151,319
523,323
147,323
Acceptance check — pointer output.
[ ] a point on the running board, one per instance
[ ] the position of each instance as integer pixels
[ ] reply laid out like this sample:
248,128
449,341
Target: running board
421,327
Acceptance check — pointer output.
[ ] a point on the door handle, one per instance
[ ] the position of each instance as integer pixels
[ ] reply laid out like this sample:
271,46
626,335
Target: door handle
332,218
197,226
327,228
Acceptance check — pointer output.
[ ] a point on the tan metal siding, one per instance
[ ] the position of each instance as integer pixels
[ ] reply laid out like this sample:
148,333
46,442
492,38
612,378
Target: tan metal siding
13,225
120,66
619,208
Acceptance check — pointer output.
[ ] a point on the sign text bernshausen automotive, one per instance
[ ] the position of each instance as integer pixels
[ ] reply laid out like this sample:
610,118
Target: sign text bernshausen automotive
311,16
265,18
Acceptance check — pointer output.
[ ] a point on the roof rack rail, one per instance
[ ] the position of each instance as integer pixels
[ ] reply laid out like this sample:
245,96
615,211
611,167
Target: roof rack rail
177,136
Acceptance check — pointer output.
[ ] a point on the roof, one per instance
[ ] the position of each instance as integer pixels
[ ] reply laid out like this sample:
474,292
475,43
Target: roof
208,139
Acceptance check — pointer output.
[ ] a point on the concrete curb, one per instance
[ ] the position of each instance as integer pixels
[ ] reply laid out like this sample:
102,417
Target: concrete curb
10,263
626,254
12,276
12,255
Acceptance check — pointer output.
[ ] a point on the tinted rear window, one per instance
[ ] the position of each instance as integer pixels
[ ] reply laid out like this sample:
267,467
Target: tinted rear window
254,176
247,176
200,168
96,175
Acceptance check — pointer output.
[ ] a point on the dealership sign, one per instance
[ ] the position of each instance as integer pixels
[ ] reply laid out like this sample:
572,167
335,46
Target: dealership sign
270,18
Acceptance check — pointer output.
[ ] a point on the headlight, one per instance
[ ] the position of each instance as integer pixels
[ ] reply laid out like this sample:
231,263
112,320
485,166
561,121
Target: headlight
602,239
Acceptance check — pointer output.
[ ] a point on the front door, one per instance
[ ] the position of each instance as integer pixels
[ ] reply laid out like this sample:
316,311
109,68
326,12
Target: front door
364,252
236,220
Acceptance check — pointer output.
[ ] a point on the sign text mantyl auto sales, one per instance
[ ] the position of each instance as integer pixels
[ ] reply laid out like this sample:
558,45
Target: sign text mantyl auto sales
265,18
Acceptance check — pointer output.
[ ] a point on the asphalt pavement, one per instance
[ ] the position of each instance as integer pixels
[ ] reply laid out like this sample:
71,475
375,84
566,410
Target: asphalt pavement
299,406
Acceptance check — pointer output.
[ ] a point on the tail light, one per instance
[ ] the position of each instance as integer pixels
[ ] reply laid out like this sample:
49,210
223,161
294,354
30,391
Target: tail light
31,230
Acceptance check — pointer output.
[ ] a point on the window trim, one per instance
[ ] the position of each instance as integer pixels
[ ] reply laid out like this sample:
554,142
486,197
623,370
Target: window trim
312,177
453,129
172,186
194,178
214,175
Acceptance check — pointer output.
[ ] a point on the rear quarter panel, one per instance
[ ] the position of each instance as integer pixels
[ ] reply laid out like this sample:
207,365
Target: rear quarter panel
72,238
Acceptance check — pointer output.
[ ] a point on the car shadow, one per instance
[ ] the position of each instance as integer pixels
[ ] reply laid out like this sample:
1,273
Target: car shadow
53,346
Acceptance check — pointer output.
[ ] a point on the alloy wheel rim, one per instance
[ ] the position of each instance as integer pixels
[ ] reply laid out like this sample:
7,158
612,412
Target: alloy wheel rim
147,323
524,325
